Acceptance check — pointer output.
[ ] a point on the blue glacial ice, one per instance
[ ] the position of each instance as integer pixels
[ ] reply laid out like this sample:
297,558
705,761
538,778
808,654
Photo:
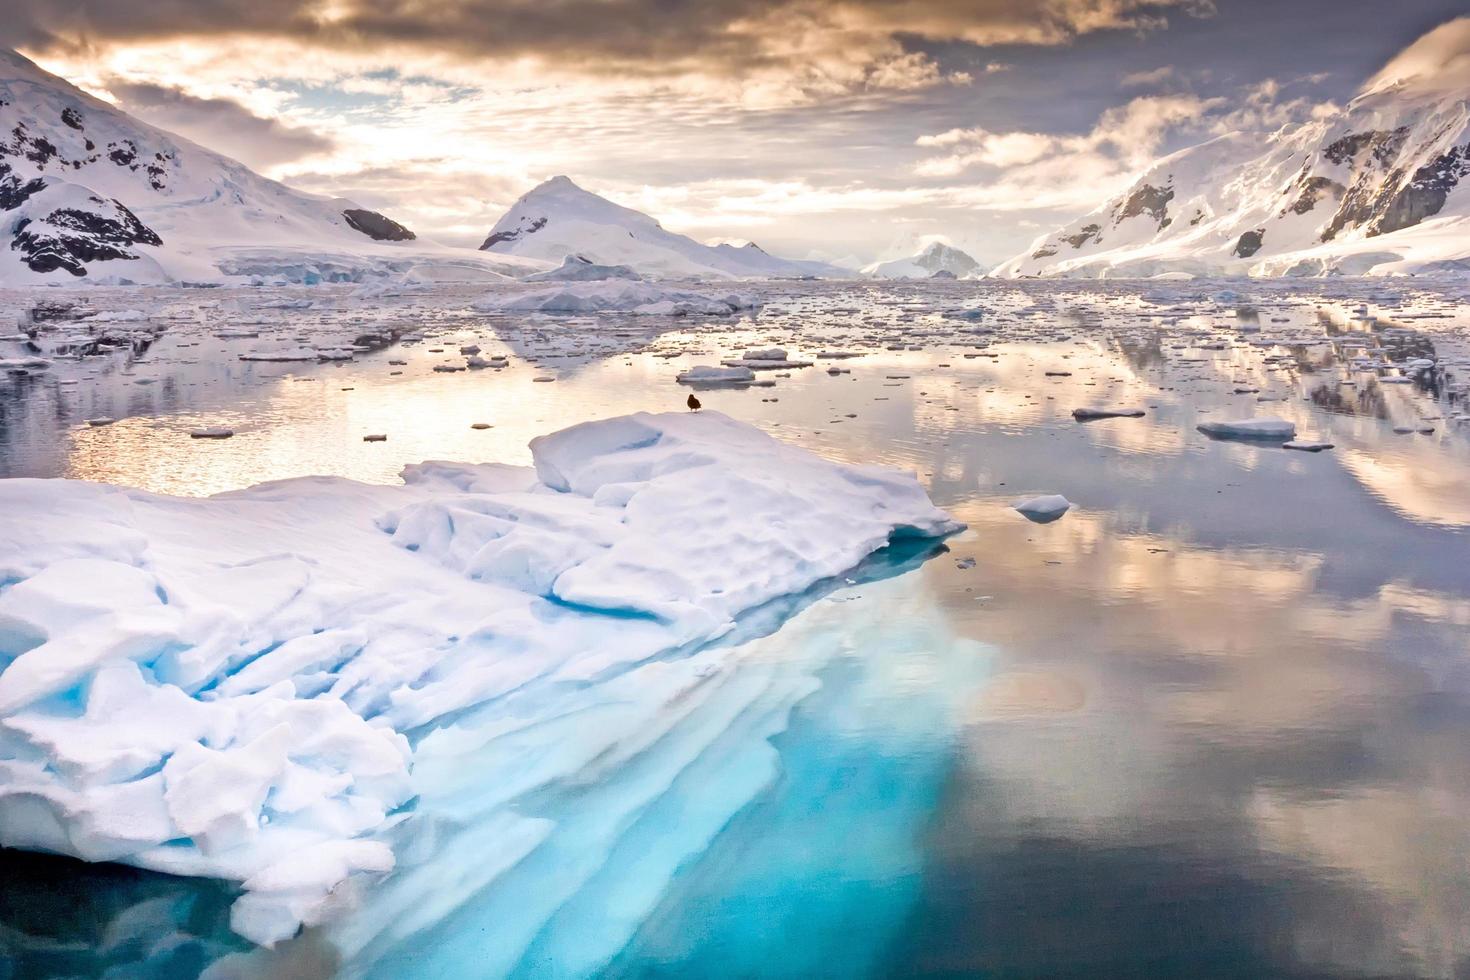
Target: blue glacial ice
315,686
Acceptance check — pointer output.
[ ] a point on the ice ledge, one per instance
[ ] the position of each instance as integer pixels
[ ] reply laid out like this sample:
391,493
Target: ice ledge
229,687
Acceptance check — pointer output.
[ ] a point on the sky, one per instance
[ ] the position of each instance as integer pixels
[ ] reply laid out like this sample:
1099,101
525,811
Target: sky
849,130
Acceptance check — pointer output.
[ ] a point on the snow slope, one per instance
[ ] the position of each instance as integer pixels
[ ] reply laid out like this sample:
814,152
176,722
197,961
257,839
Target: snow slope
88,192
1379,188
234,686
936,258
557,219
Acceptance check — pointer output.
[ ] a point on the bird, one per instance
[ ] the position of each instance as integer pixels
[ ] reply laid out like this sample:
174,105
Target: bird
693,404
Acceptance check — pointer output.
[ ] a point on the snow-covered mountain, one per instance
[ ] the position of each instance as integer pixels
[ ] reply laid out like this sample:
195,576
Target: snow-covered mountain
1377,188
936,259
557,219
87,191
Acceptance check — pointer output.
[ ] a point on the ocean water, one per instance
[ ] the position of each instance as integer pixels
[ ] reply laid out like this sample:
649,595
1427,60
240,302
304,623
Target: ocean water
1211,723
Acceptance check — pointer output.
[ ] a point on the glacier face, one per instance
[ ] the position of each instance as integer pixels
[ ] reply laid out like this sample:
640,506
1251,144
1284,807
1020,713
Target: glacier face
244,686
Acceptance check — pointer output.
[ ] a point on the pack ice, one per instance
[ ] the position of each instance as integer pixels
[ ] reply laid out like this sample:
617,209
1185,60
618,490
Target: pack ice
234,686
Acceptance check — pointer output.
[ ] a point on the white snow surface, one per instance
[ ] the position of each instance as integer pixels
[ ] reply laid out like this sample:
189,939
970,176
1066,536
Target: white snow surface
232,686
557,219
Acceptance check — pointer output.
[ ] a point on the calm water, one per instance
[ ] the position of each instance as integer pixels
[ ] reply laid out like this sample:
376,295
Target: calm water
1215,721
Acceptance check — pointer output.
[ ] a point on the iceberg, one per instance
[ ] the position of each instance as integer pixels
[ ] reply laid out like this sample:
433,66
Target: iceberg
238,687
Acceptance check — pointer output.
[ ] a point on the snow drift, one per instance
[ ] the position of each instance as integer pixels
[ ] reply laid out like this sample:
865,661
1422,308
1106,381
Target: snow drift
233,686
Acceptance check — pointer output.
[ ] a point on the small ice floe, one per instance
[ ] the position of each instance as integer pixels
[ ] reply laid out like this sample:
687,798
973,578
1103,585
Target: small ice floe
376,437
1092,414
1265,427
101,420
397,363
1043,509
447,368
769,359
543,378
710,376
1059,374
476,361
480,425
1307,445
470,349
211,432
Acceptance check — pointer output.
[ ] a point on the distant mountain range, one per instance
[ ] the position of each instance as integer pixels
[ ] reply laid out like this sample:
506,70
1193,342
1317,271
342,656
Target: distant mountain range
1378,188
557,219
936,259
88,191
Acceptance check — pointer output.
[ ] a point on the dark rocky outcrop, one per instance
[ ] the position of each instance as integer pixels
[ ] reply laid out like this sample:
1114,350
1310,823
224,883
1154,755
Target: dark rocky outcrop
1147,199
1424,194
376,226
13,193
1087,234
510,236
1312,191
1250,243
71,117
67,238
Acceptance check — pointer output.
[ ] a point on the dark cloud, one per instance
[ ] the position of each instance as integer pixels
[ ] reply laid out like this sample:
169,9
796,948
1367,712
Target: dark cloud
651,36
219,124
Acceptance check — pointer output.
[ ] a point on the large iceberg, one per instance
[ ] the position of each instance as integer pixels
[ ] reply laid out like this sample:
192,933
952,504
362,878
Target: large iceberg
236,686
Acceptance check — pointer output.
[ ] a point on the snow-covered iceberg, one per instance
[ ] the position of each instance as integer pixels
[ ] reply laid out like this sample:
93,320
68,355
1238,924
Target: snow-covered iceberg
234,686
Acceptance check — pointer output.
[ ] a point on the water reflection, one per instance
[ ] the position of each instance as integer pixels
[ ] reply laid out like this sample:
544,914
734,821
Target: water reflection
1211,723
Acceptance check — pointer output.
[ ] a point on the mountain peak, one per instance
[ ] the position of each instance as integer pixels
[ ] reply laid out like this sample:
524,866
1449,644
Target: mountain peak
557,219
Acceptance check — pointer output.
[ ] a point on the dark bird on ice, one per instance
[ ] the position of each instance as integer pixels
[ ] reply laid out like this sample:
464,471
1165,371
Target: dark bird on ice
693,404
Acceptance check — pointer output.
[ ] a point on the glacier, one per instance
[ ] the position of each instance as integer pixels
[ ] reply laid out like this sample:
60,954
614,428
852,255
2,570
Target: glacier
258,686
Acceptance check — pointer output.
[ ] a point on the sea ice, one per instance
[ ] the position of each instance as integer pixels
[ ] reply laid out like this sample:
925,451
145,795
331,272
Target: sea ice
1043,509
1265,427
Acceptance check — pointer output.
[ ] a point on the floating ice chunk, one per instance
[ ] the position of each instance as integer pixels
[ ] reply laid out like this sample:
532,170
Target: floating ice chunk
1307,445
1089,414
1043,509
212,432
220,687
705,374
1265,427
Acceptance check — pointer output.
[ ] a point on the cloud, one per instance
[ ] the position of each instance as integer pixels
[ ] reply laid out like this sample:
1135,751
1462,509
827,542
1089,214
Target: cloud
824,43
1124,139
1439,62
222,125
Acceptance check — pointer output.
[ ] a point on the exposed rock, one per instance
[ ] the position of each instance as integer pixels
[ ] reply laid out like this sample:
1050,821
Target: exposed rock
1147,199
376,226
1250,243
510,236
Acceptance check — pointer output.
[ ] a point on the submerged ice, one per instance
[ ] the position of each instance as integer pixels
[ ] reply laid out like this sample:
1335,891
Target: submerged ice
241,686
